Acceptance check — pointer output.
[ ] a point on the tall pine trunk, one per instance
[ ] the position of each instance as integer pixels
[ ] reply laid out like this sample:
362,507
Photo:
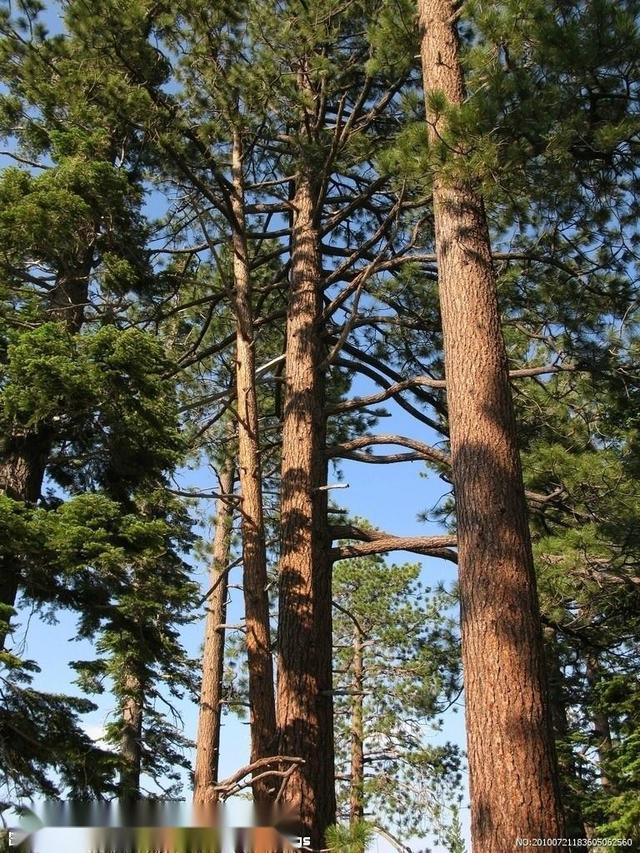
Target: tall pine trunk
209,720
26,451
255,579
304,700
512,761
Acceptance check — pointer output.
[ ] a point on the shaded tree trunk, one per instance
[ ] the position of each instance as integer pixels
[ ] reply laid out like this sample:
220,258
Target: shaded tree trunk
26,452
569,779
255,578
131,739
356,795
304,702
600,721
209,720
512,762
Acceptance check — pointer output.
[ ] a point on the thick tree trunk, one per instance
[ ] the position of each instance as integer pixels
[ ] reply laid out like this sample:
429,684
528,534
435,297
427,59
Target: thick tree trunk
25,454
208,740
304,701
356,794
255,579
512,762
131,739
23,463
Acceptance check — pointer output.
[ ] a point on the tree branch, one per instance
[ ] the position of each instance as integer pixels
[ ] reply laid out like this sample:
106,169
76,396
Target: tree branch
379,542
423,451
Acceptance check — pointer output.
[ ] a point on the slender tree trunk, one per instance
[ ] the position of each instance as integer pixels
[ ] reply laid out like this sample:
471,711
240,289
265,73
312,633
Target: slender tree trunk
356,795
304,701
208,740
512,761
569,779
26,451
131,740
255,579
600,721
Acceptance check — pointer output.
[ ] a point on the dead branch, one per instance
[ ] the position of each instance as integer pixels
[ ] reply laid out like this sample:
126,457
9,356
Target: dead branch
378,542
390,391
238,780
423,451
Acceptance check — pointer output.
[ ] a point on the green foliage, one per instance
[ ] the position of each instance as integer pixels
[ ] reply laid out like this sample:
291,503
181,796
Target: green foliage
350,839
586,568
40,732
107,394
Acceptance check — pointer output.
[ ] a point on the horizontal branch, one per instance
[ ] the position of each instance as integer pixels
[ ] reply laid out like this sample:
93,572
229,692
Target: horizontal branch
427,382
381,458
543,370
426,546
391,391
383,375
423,451
378,542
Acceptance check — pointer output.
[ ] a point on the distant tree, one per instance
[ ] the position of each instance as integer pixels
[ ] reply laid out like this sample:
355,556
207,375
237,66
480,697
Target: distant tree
396,670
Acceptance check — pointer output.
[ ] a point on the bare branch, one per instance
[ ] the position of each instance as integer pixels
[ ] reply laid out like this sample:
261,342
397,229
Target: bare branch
238,780
390,391
379,542
423,451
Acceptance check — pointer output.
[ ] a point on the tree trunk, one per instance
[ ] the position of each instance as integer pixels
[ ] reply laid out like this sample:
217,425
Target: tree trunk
569,779
304,701
600,721
208,740
26,451
356,795
512,762
255,579
131,740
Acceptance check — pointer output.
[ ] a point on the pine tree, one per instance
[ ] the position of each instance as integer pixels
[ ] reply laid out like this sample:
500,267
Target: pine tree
501,633
396,662
88,419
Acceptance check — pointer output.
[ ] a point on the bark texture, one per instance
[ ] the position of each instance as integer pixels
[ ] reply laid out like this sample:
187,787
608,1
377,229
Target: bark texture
255,579
131,740
208,739
600,720
304,702
512,762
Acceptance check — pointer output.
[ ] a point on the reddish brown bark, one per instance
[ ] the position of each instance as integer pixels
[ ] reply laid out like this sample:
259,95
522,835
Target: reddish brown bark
512,762
255,582
209,720
304,702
